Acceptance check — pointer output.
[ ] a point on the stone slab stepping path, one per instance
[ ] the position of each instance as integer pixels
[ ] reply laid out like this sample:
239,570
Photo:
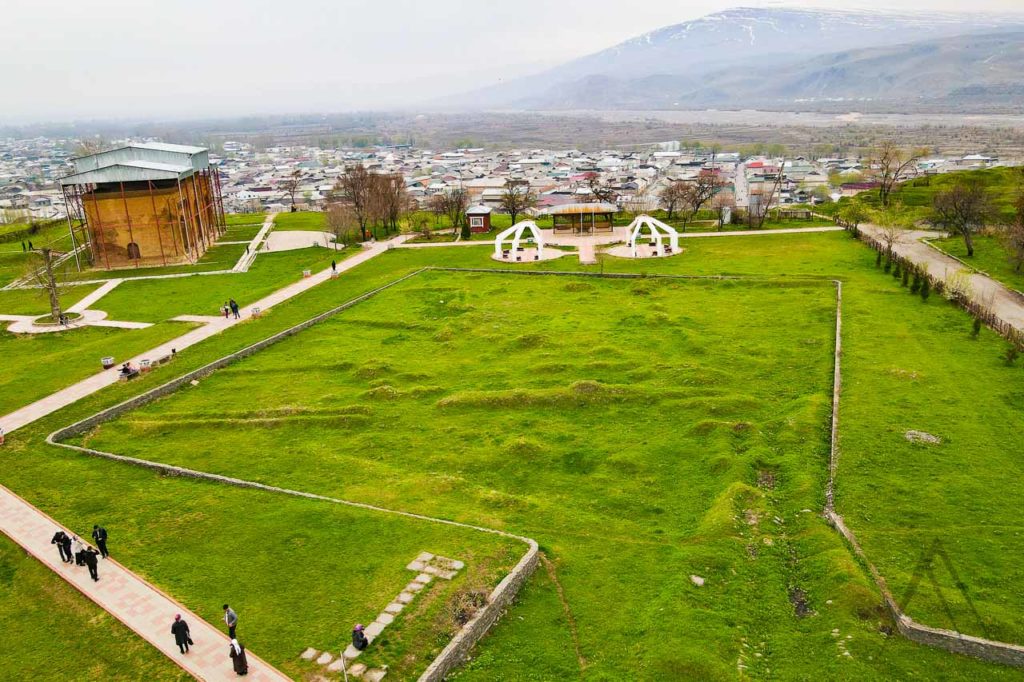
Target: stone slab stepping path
133,601
427,566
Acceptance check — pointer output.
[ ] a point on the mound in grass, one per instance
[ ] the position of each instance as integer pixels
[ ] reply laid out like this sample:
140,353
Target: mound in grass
578,394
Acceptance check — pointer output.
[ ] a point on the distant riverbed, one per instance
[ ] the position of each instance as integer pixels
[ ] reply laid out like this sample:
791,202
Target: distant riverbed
792,118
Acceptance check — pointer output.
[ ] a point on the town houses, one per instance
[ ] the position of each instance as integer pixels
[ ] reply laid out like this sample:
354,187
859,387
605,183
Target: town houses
278,178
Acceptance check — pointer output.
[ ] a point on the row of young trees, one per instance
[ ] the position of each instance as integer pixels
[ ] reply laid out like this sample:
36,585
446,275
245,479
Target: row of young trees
363,201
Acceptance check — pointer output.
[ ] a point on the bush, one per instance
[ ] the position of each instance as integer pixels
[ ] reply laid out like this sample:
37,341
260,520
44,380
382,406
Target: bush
926,288
878,258
975,328
916,285
906,277
1011,355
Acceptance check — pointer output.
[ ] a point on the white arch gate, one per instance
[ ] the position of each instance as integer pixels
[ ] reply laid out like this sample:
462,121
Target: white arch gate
515,234
658,231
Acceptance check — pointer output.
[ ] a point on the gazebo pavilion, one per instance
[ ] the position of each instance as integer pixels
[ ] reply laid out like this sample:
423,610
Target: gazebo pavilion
583,218
656,247
525,231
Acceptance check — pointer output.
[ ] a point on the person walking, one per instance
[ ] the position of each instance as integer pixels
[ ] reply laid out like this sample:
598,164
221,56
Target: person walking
226,309
23,247
181,636
30,247
92,563
234,308
78,551
334,266
99,534
231,620
238,660
65,550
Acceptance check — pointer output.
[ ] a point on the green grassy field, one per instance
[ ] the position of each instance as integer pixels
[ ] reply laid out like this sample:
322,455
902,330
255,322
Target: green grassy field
217,257
41,615
990,256
156,300
36,365
231,219
301,220
36,301
626,513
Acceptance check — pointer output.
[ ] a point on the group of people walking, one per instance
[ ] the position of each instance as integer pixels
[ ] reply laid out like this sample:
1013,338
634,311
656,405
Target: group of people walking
231,308
236,652
73,551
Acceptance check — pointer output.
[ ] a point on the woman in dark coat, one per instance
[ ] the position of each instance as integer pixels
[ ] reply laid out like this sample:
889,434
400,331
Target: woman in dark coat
238,661
180,631
359,640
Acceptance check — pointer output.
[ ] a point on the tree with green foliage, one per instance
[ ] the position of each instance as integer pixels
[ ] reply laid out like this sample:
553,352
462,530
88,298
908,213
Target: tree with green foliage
1013,235
853,213
964,208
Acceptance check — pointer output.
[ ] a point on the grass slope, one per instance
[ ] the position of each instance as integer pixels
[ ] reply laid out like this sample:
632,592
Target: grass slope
677,631
53,632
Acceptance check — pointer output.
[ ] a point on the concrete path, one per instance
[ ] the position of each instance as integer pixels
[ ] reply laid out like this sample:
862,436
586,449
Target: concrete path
213,326
26,324
246,259
133,601
96,295
1007,305
290,240
588,254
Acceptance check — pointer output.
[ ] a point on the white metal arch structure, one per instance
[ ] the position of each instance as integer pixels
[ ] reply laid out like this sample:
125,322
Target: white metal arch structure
658,230
515,233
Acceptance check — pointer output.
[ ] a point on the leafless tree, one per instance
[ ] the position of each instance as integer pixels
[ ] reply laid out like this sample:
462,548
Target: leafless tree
456,201
761,201
342,223
43,275
598,190
516,198
638,202
890,163
437,205
1013,236
719,203
964,208
291,185
672,196
388,199
698,192
355,187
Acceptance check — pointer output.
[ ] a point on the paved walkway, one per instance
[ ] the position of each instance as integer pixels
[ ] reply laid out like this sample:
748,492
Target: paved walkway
139,605
289,240
213,326
246,259
1003,302
96,295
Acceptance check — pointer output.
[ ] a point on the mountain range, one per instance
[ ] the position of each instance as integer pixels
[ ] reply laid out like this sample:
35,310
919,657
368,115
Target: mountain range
787,59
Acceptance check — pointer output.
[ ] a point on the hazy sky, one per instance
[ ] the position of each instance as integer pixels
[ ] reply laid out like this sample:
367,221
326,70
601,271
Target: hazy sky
65,59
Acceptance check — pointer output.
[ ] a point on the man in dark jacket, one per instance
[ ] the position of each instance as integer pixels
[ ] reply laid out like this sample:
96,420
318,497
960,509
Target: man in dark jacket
59,539
92,563
99,534
180,631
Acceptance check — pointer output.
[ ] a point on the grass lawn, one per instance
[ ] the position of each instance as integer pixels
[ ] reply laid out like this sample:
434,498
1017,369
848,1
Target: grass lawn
156,300
242,232
990,256
37,302
301,220
42,616
231,219
518,423
36,365
627,501
217,257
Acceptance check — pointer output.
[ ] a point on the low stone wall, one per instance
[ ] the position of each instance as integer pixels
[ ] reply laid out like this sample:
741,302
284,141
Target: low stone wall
498,602
950,640
166,389
467,637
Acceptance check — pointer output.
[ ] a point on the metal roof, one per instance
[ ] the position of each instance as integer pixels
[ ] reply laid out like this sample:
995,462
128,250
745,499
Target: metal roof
196,157
575,209
129,171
